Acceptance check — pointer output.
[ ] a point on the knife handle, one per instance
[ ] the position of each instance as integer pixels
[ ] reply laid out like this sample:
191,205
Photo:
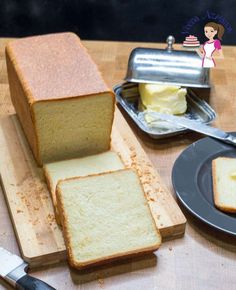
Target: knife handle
30,283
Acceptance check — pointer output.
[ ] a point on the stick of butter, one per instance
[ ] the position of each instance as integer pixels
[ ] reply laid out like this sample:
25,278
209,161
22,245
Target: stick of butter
163,98
233,174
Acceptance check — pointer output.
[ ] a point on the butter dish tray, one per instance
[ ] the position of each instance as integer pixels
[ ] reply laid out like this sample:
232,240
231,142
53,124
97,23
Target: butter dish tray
127,96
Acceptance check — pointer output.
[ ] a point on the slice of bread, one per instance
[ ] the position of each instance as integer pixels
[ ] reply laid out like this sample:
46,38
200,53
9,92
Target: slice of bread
224,183
93,164
105,217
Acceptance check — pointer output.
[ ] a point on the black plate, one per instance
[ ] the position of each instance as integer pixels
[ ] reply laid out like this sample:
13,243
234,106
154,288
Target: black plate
192,181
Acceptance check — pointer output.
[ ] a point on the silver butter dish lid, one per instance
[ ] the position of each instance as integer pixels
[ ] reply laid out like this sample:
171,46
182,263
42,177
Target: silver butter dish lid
167,66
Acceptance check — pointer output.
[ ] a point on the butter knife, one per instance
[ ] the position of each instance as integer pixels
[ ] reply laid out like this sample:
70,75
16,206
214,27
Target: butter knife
195,126
12,270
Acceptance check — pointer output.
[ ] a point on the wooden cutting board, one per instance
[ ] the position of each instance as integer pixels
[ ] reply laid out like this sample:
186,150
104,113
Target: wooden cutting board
39,237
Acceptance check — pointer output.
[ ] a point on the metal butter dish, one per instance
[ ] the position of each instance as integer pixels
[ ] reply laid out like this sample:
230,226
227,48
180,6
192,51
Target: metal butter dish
165,66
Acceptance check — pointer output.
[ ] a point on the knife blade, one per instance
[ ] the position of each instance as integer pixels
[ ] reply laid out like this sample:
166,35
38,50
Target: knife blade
195,126
12,270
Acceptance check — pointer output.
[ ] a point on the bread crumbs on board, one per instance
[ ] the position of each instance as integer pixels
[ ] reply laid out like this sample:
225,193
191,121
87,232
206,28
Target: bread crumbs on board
50,218
19,211
101,283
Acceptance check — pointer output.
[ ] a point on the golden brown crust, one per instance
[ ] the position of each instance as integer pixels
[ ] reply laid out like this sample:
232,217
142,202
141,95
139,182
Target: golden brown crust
226,209
53,195
110,258
102,261
64,224
24,112
89,175
112,120
214,181
215,191
60,47
48,179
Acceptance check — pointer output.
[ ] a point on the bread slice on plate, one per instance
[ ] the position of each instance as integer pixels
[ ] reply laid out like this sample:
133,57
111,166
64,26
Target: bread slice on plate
103,162
105,217
224,183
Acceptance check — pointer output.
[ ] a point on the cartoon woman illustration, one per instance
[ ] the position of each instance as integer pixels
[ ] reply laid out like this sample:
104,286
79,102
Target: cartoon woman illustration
211,29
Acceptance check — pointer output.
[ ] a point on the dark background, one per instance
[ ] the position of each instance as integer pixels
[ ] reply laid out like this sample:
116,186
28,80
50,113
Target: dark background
140,20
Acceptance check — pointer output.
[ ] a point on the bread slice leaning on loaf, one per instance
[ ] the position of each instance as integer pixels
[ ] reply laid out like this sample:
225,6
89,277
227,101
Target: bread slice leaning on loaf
98,163
63,104
105,217
224,183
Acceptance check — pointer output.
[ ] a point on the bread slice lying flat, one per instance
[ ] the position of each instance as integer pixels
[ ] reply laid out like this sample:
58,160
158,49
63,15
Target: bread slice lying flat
105,217
93,164
224,183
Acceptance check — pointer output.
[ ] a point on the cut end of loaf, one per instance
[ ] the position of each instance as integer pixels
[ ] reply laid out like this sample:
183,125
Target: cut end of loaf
73,128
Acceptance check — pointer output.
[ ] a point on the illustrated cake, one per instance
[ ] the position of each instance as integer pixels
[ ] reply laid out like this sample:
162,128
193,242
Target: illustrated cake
191,41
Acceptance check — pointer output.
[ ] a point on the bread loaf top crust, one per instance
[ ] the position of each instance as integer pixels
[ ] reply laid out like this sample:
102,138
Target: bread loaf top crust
55,66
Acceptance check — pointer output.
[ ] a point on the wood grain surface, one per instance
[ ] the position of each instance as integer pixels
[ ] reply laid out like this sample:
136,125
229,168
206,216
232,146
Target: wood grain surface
203,259
29,202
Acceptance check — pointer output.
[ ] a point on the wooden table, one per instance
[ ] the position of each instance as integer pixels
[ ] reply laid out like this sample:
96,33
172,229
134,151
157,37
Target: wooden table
203,258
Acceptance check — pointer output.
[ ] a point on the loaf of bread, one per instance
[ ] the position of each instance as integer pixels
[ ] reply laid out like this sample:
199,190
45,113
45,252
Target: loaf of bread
105,217
102,162
224,183
63,104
